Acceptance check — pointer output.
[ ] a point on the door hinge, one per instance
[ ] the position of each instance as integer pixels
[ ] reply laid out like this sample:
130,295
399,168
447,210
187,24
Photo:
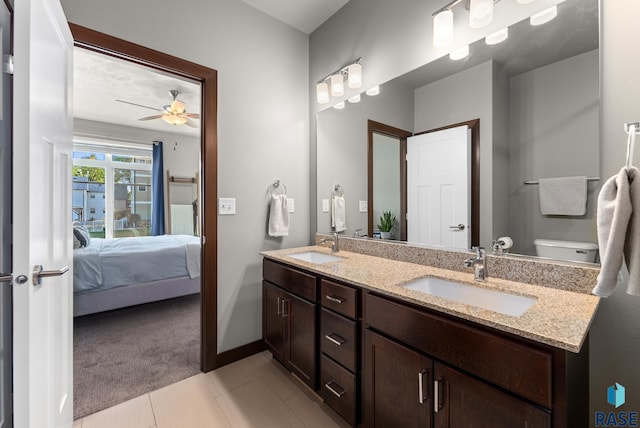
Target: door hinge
8,65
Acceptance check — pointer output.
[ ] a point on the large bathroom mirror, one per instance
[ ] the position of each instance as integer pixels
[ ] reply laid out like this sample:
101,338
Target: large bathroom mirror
536,96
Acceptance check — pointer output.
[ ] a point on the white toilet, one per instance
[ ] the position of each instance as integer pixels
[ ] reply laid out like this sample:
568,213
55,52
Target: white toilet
566,250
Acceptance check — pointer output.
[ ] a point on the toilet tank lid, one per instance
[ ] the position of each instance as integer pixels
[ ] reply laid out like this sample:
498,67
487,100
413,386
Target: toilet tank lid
566,244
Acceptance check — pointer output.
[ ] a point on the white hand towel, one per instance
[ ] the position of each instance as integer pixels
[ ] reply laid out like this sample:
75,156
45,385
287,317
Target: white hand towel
612,218
563,196
279,216
632,241
338,214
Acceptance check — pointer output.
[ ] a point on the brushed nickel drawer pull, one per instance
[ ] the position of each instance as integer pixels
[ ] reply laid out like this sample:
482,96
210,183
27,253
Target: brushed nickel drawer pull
436,395
338,393
334,299
421,395
334,338
279,306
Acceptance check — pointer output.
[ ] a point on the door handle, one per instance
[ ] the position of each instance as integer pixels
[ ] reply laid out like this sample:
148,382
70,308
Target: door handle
38,273
437,405
6,277
458,227
421,393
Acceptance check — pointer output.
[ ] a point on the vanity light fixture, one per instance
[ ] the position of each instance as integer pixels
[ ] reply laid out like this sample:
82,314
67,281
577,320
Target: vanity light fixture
333,84
442,27
339,106
355,99
459,53
322,92
480,13
373,91
544,16
497,37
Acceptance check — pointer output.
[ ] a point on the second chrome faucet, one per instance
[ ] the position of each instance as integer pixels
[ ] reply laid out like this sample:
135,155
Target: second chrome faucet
479,264
335,244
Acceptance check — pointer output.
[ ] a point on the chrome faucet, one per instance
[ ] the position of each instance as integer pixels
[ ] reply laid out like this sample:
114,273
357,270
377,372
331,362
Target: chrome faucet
356,234
335,245
479,264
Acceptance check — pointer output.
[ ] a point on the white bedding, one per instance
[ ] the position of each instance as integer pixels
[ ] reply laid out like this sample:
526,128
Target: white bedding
109,263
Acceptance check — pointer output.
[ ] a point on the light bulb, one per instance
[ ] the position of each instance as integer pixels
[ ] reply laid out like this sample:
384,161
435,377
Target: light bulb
443,28
373,91
459,53
544,16
497,37
337,85
322,92
355,75
339,106
354,99
480,13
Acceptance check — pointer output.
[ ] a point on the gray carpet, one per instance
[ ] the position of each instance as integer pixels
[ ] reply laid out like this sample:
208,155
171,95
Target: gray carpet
121,354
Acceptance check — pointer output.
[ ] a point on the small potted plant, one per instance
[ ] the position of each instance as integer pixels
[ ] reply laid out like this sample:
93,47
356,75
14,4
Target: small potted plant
387,220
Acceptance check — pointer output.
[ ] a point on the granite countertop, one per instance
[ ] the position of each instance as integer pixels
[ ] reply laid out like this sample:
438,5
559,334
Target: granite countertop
558,318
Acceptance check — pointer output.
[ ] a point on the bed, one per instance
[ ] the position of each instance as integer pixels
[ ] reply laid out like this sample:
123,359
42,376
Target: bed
115,273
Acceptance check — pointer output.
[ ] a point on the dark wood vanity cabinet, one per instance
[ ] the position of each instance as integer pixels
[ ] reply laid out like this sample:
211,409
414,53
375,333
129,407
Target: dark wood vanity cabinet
289,319
340,346
425,369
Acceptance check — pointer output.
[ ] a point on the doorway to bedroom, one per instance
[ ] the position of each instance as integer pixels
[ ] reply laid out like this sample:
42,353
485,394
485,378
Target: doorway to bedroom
144,145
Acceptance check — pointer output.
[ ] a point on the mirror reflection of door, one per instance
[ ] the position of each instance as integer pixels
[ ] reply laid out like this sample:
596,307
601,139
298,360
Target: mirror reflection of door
387,177
438,188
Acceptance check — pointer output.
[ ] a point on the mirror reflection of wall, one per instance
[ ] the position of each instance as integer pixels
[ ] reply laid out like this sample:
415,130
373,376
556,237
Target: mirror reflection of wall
535,122
386,183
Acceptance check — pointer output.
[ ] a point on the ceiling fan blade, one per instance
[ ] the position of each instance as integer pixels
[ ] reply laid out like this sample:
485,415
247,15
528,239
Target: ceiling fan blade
193,115
157,116
191,123
139,105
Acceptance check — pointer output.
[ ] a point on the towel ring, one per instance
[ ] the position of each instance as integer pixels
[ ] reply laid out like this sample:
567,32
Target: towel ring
338,190
277,185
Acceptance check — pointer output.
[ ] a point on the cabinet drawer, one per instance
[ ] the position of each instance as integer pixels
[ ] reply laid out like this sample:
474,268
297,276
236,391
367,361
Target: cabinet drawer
339,339
338,389
299,283
339,298
517,367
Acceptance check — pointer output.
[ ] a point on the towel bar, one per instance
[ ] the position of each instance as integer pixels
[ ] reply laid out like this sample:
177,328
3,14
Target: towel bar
538,182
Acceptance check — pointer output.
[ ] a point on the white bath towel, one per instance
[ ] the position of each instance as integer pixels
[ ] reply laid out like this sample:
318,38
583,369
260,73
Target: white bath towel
632,242
279,216
612,218
338,214
563,196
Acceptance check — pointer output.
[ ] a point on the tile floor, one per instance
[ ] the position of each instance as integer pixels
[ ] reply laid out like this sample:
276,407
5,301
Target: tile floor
254,392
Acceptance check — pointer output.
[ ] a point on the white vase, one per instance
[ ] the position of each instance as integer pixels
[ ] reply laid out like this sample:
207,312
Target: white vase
385,235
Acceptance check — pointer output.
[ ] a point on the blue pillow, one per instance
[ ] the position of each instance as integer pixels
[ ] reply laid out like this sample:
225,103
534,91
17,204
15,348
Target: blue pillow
82,235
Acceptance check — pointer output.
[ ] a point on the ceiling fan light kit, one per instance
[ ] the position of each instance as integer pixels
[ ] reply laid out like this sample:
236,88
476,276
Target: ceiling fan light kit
174,114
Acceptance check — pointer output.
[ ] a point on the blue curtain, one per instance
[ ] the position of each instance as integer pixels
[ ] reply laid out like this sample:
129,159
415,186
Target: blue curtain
157,184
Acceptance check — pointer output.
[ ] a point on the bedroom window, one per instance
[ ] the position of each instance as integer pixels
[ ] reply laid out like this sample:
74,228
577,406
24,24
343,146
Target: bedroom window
106,189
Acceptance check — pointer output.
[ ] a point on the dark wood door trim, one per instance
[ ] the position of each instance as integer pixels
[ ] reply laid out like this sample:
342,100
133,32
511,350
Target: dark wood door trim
474,125
402,135
208,78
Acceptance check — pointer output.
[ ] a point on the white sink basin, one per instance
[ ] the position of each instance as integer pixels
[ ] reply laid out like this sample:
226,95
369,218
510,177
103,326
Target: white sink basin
316,257
497,301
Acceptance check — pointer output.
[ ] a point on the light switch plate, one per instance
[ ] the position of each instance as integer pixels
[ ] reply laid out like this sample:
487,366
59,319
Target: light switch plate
363,206
325,205
227,206
290,204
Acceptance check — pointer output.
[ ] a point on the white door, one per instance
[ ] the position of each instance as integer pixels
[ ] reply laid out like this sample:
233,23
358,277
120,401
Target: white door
438,188
42,144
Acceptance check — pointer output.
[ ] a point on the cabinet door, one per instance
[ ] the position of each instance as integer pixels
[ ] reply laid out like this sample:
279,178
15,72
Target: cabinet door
397,385
463,401
272,320
301,354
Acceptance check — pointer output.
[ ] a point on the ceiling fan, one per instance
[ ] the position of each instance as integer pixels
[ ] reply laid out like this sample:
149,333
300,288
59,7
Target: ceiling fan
174,113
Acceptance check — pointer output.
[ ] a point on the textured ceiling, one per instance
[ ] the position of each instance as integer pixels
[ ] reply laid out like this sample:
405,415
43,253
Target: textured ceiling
99,80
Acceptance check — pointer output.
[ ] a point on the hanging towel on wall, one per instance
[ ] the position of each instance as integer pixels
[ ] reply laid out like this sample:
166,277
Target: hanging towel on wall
338,213
612,218
632,241
279,216
563,196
